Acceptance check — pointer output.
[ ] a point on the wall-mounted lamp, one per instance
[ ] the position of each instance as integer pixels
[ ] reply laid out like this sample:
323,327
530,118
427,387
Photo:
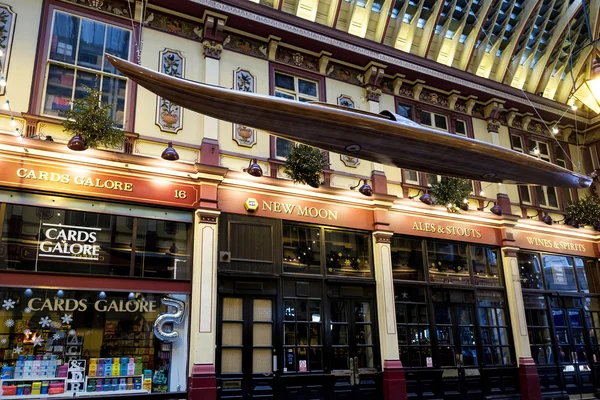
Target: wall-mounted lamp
365,189
546,219
425,198
254,169
170,154
76,143
496,209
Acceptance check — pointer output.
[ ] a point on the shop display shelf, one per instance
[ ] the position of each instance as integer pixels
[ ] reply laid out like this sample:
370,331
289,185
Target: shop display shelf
39,396
110,393
114,377
45,378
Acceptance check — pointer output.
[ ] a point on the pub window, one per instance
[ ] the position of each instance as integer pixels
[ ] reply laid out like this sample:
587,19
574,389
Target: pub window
485,266
348,253
580,267
303,334
293,88
76,59
558,271
592,316
412,322
495,336
538,326
78,242
530,271
405,111
301,249
407,258
517,144
447,262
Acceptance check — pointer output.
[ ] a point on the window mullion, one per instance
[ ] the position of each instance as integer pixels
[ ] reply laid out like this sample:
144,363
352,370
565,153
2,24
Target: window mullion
104,48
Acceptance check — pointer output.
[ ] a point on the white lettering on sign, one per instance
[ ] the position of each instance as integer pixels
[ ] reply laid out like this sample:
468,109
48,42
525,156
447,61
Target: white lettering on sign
65,241
70,305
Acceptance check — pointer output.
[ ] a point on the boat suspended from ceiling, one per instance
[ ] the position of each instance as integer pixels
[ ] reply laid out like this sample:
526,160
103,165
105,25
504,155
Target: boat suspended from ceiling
385,138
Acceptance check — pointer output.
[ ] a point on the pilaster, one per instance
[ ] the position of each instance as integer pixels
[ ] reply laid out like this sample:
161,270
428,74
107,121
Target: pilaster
394,382
530,384
202,381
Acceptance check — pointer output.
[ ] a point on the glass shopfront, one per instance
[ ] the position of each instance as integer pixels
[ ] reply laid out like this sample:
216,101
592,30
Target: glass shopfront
55,240
562,309
453,327
108,336
297,311
107,341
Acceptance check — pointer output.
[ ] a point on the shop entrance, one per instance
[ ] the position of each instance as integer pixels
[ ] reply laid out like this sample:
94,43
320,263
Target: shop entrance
573,356
246,346
456,343
353,337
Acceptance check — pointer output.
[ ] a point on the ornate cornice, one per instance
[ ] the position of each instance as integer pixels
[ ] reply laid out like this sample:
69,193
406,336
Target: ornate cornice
212,49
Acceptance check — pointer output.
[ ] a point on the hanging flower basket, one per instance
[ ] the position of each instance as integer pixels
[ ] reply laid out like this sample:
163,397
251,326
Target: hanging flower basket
585,211
451,192
90,123
305,165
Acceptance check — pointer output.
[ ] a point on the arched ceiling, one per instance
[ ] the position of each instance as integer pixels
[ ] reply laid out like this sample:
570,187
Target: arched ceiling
538,46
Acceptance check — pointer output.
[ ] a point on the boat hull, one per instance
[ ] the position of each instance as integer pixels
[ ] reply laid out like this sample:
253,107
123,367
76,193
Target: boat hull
389,140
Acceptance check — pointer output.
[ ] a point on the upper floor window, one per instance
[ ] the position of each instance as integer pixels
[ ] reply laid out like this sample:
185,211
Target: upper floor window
291,87
542,196
76,59
434,120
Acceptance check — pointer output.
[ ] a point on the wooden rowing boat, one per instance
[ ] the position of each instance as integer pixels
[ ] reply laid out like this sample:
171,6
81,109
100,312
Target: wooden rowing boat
385,138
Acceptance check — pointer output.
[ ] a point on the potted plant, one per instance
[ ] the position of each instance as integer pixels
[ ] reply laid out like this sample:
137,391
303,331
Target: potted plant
585,211
305,165
451,192
91,123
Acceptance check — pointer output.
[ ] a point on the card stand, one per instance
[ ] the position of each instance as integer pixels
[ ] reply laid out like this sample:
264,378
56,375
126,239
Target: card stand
64,395
110,392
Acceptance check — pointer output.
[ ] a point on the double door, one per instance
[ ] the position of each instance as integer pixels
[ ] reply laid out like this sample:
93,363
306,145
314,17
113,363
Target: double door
246,347
353,348
456,344
572,351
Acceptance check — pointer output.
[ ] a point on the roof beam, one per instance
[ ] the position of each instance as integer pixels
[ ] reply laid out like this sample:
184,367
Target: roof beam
334,10
471,40
405,32
484,60
503,62
359,19
383,22
429,28
307,9
560,26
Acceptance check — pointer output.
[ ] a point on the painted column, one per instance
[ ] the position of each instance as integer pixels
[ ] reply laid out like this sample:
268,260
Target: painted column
202,381
530,382
212,47
373,77
493,127
394,382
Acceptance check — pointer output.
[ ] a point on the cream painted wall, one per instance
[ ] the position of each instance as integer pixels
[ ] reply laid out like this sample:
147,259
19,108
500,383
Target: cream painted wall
231,61
22,59
154,42
480,130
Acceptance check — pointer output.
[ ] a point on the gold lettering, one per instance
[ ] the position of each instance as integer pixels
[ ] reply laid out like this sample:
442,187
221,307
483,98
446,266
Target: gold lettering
277,207
288,208
21,173
267,206
128,187
333,215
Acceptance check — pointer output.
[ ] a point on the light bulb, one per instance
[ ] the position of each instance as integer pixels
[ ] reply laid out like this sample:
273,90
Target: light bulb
13,122
555,130
2,82
1,53
20,138
536,151
465,201
6,105
481,193
574,107
449,205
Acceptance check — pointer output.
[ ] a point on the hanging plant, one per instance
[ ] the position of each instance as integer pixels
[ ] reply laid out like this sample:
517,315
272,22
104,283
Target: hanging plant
305,165
451,192
585,211
90,121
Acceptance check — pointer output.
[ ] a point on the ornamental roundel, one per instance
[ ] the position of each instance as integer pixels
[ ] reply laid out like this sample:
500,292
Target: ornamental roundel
169,116
244,81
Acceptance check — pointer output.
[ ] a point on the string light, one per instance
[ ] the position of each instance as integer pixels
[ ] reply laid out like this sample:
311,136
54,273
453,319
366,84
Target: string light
6,105
1,53
2,82
536,151
465,201
12,121
555,130
573,107
481,193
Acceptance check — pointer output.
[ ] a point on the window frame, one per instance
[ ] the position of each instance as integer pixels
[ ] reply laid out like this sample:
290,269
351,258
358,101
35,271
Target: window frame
534,200
41,60
296,74
451,119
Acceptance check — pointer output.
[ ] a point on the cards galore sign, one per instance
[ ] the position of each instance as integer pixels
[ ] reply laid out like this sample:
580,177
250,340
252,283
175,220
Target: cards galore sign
65,241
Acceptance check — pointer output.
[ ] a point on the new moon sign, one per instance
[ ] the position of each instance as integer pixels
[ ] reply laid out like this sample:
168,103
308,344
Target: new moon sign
290,208
42,176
